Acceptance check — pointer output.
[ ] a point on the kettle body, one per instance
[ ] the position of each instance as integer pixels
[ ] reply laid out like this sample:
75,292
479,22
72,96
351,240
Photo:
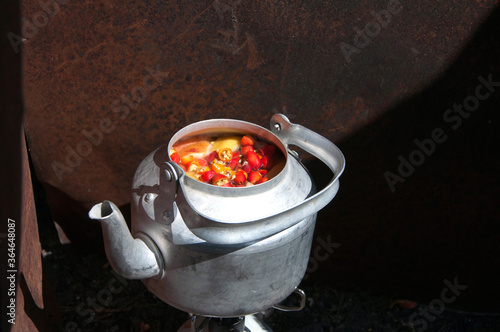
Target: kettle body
226,252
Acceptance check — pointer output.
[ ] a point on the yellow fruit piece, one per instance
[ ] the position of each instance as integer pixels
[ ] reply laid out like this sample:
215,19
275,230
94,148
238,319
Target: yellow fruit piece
187,159
217,168
225,154
227,142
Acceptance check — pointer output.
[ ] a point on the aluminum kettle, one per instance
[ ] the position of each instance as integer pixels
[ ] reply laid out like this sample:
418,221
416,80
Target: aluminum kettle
217,251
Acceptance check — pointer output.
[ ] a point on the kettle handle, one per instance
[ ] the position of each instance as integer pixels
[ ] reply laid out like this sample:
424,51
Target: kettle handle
291,134
308,140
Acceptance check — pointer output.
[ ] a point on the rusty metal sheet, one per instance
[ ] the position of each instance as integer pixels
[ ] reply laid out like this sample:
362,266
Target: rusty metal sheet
115,79
106,82
25,303
29,303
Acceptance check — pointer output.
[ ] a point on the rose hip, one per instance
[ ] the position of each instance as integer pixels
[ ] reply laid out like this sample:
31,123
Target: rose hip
253,160
246,149
211,156
240,178
264,161
225,154
207,176
264,179
229,161
176,158
201,162
220,180
247,140
268,150
254,177
193,166
247,168
234,163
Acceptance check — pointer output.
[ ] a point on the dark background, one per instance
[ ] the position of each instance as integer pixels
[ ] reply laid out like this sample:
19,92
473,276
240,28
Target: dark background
248,61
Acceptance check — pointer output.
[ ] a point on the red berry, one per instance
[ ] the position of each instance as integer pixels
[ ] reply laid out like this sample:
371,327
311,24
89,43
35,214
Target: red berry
247,168
240,178
211,157
234,163
176,158
225,154
207,176
253,160
268,150
193,166
220,180
201,162
247,140
254,177
264,161
264,179
246,149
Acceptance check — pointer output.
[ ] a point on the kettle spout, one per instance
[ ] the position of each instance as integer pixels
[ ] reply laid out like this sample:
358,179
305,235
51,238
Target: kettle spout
129,257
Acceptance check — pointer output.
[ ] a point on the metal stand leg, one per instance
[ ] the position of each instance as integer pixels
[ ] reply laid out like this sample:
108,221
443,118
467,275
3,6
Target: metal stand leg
248,323
253,324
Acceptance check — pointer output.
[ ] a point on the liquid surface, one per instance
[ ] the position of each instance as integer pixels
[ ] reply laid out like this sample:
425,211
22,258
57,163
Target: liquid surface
229,160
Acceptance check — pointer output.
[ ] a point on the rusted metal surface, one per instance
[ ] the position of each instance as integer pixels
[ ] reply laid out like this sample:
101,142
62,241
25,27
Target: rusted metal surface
37,308
87,69
30,304
25,303
106,82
